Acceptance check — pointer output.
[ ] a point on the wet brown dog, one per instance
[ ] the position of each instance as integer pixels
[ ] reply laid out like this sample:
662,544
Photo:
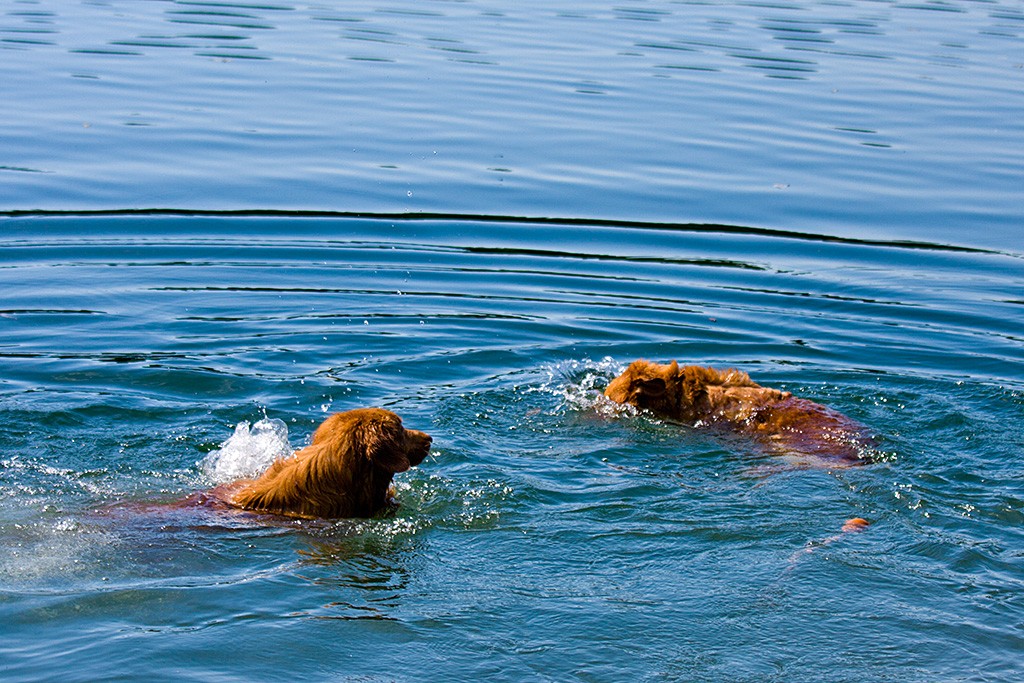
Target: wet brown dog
345,472
806,431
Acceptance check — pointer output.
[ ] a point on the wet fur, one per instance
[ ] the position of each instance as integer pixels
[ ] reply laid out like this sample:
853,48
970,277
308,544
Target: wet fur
701,396
345,472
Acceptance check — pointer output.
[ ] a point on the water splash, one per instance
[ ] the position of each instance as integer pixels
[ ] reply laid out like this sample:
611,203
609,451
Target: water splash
579,385
248,452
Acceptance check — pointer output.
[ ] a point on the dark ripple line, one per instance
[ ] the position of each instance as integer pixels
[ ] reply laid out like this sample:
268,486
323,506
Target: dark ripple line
548,253
49,311
810,295
720,228
425,294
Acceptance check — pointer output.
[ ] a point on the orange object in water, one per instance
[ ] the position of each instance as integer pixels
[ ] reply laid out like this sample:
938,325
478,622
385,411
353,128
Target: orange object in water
856,524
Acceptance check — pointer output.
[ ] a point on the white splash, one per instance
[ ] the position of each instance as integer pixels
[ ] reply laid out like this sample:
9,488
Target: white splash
247,452
579,384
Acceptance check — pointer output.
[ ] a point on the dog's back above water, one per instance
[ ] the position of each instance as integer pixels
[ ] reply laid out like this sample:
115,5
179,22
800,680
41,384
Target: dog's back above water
805,431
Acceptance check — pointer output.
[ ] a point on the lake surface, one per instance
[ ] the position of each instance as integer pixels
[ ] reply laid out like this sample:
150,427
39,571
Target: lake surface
226,214
880,119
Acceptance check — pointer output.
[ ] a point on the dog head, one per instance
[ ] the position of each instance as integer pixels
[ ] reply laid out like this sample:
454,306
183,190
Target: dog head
649,386
688,393
377,437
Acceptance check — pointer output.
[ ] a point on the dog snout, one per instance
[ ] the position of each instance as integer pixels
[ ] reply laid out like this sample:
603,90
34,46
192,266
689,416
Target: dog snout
418,446
419,438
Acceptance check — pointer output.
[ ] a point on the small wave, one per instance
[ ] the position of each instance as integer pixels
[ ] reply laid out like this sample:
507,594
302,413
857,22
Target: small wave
35,478
247,452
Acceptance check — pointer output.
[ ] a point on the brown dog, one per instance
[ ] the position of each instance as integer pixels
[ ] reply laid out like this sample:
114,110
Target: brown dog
696,395
345,472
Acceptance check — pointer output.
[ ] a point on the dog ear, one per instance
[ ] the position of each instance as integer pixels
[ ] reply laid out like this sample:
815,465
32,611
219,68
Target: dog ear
385,445
651,387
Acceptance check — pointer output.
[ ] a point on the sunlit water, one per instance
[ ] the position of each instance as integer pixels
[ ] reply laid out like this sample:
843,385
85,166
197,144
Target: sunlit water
825,195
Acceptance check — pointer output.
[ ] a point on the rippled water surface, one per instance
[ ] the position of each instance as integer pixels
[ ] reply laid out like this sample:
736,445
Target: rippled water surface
221,222
547,536
880,119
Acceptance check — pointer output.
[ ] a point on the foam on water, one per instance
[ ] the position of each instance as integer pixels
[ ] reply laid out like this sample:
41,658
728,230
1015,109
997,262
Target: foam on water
247,452
42,551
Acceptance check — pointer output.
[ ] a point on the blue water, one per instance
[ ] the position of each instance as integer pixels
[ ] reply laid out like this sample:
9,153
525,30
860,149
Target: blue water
880,119
215,214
